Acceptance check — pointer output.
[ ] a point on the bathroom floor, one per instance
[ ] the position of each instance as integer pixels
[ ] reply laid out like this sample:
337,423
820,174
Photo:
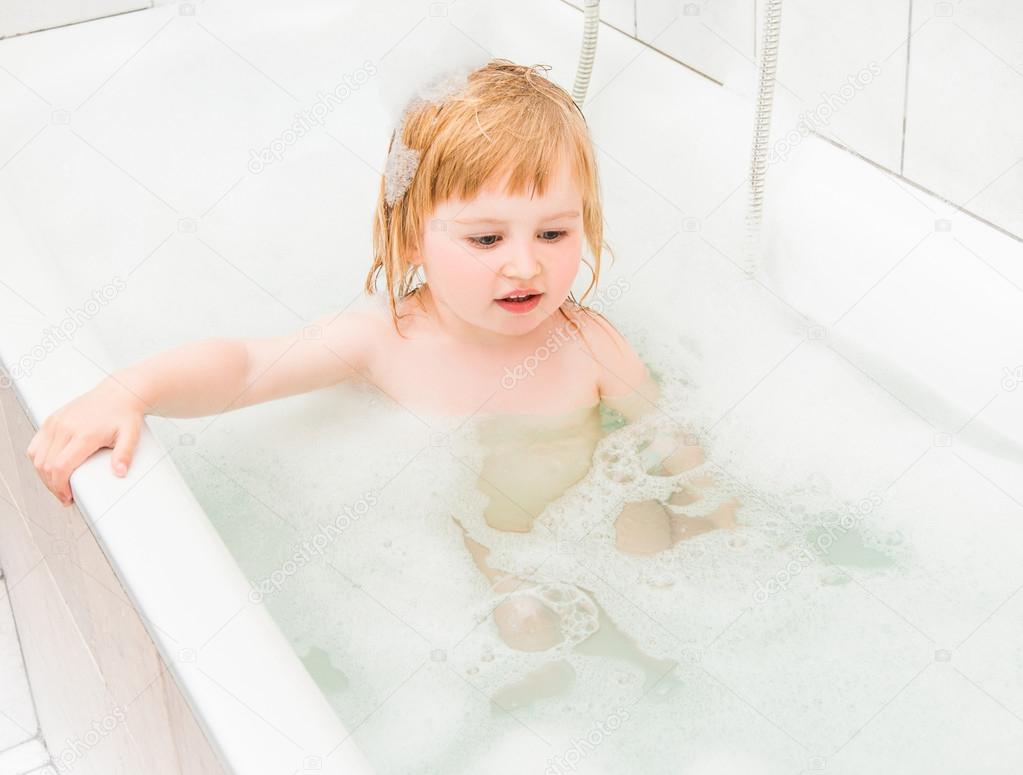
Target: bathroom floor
22,751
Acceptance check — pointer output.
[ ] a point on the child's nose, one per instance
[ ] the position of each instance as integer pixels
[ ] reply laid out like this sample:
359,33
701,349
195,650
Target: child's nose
521,264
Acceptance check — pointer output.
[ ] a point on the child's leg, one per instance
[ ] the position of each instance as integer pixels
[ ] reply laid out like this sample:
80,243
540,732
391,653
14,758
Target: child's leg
610,641
643,527
683,526
524,622
685,457
532,626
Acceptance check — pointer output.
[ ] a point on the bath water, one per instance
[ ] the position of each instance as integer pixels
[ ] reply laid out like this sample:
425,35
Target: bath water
760,648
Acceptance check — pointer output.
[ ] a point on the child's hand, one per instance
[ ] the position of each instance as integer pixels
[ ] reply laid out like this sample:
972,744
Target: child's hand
109,415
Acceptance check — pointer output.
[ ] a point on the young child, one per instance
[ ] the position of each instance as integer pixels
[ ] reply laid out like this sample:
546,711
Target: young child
491,190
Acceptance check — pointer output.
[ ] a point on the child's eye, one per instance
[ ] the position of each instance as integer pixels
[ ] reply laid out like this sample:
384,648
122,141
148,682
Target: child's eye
478,241
490,240
557,235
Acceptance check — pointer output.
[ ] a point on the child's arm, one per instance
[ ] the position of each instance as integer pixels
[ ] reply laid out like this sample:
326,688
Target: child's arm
623,380
626,386
641,528
194,380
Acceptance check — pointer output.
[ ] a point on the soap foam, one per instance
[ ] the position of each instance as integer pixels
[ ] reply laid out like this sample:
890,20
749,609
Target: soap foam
397,604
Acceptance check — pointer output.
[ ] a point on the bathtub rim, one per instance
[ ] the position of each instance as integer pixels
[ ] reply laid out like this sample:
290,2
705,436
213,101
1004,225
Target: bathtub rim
145,547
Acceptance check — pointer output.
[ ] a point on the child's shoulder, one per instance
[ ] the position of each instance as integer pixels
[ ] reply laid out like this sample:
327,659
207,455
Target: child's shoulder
620,370
371,316
361,315
371,310
347,332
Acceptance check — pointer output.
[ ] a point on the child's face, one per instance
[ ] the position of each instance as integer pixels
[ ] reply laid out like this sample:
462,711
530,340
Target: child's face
514,245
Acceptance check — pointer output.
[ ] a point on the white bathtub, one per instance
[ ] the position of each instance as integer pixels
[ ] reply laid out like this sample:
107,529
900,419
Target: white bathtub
148,162
251,696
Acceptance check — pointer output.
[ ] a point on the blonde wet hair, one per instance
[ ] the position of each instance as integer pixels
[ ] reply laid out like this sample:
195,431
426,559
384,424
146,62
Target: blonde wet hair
507,119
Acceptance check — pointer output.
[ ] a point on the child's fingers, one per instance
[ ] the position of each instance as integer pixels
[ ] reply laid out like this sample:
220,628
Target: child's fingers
56,453
50,473
72,456
37,447
33,445
124,447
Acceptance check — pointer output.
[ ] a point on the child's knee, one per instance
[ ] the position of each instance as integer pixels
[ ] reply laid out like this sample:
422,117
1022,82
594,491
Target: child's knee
526,624
643,528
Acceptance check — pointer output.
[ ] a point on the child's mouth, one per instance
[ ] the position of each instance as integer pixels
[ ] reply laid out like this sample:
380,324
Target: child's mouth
524,303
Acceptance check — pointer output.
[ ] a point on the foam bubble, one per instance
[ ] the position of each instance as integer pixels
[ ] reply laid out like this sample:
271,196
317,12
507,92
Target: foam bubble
398,588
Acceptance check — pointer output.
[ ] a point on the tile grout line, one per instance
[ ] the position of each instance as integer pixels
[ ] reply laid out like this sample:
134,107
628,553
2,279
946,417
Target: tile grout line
38,736
648,46
919,187
34,770
905,93
905,109
21,653
80,21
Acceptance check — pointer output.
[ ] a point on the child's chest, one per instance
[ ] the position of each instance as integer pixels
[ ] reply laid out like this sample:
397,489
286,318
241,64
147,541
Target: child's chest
553,377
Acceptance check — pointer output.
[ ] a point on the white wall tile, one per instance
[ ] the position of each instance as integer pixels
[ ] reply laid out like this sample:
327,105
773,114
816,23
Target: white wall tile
512,31
620,13
964,126
20,16
844,65
712,36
